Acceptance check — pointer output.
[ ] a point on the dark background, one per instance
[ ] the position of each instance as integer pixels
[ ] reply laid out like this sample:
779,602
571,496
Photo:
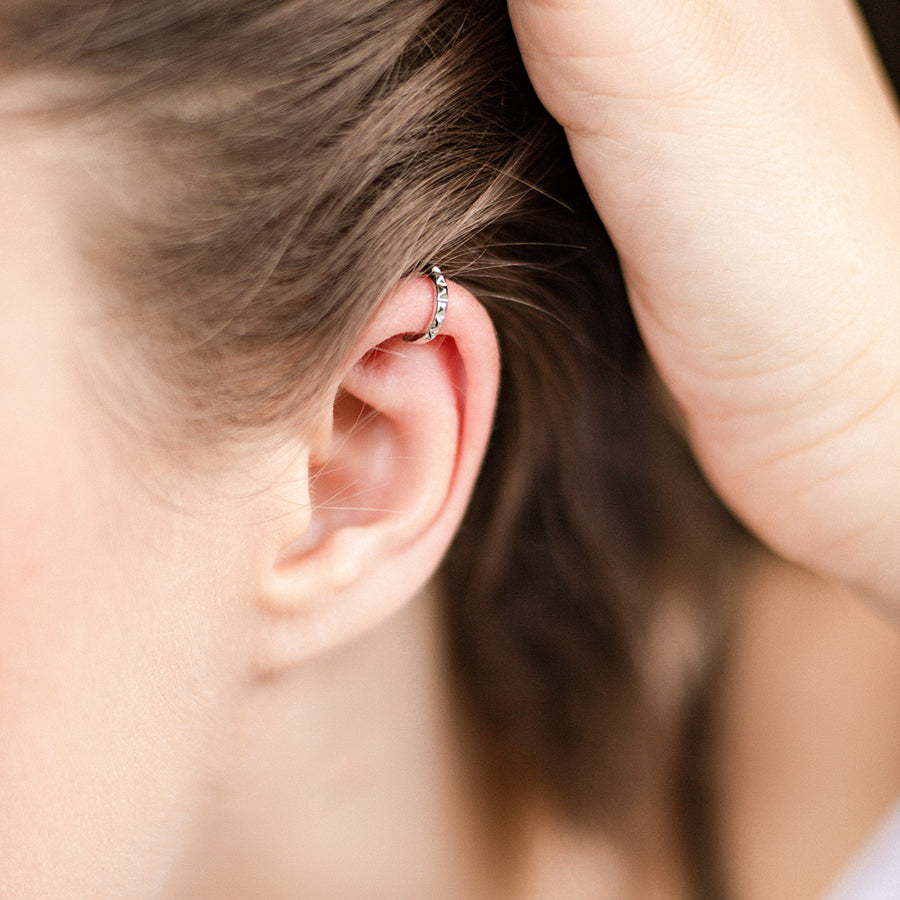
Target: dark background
884,20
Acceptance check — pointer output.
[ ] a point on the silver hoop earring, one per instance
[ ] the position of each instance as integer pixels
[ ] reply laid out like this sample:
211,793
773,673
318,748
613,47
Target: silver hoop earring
441,299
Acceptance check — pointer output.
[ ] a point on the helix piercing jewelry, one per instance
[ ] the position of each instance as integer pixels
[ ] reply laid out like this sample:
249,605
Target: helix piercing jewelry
441,299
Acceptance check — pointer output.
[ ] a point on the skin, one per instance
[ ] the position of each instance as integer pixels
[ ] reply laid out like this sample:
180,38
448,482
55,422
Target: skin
745,158
806,732
113,652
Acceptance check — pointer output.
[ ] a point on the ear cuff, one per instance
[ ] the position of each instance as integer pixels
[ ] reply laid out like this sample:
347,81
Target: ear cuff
441,300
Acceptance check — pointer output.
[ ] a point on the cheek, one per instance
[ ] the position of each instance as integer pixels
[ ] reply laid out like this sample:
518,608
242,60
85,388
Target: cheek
106,669
110,681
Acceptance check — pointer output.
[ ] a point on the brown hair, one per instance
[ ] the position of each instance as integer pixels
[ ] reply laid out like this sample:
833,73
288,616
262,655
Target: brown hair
301,156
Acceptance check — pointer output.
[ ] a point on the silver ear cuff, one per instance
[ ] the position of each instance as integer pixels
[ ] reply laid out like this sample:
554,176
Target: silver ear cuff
441,299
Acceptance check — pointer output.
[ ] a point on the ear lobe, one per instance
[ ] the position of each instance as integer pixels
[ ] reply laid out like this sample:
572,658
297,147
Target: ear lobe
390,482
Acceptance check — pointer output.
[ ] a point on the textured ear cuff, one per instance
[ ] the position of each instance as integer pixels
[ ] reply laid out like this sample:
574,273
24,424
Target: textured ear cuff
441,299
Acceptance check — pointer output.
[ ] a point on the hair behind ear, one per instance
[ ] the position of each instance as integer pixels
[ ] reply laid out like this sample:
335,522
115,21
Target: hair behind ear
589,503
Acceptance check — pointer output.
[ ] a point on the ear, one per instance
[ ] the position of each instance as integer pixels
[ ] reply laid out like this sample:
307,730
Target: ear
389,477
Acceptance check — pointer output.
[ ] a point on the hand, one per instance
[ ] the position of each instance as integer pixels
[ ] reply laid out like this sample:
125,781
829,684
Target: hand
745,158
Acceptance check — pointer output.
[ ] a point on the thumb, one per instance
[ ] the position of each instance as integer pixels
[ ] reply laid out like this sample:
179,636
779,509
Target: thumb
581,54
591,61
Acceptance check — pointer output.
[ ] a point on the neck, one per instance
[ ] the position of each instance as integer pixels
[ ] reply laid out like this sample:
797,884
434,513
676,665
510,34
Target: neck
351,778
345,780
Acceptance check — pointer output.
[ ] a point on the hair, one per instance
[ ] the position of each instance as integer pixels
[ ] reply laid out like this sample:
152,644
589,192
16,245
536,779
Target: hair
285,163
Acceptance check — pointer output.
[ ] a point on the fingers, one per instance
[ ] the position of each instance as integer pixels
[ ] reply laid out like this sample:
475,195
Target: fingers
585,56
